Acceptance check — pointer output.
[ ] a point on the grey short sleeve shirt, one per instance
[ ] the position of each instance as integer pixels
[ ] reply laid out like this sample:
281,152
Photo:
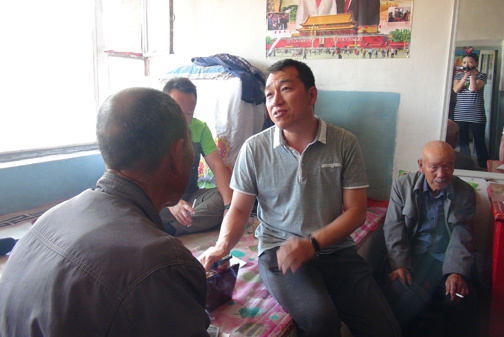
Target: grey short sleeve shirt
299,196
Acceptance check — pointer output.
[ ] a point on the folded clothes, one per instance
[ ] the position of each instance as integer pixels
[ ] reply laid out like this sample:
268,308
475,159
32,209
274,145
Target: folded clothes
6,245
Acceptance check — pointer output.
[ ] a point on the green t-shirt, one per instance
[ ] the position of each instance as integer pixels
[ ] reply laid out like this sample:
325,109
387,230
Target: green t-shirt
200,133
203,144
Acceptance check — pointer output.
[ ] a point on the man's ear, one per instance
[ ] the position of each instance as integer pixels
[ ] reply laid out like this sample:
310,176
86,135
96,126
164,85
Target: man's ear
174,156
420,165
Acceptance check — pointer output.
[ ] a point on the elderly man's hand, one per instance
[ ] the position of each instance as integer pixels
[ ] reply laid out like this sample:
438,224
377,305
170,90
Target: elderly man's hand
293,253
455,284
402,273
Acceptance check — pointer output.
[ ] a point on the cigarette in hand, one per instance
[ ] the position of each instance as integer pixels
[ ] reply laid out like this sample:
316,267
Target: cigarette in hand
189,212
459,295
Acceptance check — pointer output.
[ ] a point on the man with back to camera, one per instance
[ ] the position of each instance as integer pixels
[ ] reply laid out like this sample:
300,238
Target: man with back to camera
100,264
302,171
428,234
210,204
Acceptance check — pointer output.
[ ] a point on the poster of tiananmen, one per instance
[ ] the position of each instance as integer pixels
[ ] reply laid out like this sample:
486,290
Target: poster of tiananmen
338,29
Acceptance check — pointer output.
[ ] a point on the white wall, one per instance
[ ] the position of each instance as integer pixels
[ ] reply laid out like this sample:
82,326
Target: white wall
479,23
482,26
206,27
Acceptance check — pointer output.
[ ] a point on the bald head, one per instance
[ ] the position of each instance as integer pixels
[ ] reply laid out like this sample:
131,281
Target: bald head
136,126
438,164
452,133
438,149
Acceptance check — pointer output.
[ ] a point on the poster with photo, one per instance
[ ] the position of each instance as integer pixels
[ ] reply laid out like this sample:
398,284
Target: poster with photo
338,29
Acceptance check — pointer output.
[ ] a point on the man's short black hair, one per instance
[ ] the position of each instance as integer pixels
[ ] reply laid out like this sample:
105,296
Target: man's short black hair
181,84
304,72
135,128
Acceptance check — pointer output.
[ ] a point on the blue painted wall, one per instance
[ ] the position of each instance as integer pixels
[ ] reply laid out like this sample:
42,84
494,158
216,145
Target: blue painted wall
29,186
371,117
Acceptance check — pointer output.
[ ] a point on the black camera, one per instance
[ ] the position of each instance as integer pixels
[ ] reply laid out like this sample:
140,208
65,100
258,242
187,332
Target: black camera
466,68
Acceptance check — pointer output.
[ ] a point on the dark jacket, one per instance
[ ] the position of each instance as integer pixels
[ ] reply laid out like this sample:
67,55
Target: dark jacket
100,265
401,222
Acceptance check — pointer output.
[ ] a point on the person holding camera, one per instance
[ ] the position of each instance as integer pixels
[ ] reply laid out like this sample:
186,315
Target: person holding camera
470,107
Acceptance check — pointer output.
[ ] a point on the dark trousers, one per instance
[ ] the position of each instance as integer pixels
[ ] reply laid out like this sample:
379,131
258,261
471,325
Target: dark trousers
424,309
327,290
478,130
209,212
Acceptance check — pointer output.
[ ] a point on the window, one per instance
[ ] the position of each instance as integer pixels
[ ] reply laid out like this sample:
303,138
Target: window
47,74
55,71
134,31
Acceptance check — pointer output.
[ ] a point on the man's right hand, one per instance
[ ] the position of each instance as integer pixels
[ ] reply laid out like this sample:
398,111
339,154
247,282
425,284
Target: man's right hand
181,212
210,256
402,273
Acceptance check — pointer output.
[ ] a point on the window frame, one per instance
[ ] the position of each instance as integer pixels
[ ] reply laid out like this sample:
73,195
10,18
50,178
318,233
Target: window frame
101,79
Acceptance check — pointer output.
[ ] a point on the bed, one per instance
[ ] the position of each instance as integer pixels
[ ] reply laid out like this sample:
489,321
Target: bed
252,311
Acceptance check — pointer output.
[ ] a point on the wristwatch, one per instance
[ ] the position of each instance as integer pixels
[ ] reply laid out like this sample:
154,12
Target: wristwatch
227,206
314,243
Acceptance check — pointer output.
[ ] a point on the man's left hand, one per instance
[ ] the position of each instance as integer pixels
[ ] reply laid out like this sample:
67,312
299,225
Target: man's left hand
455,284
293,253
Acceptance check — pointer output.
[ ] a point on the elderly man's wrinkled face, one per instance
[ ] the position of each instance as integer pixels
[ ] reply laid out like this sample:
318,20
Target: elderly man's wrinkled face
438,167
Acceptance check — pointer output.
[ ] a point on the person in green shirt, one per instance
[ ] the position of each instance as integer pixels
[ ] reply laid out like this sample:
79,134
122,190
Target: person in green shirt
199,209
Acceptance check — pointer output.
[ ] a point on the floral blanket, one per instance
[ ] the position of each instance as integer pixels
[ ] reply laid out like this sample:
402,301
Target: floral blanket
253,312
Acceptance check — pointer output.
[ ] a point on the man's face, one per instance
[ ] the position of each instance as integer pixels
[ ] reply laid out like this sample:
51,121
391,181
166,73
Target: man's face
438,168
289,104
186,102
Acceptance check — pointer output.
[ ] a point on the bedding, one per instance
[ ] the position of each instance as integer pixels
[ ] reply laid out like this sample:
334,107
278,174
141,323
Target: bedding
221,105
252,311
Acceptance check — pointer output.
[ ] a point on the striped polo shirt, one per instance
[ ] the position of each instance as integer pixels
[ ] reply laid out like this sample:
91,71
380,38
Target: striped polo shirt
301,193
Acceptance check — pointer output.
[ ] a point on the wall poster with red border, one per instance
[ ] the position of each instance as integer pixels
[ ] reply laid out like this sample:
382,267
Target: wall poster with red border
338,29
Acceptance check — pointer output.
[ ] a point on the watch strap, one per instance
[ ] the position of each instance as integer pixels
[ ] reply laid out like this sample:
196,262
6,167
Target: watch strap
314,243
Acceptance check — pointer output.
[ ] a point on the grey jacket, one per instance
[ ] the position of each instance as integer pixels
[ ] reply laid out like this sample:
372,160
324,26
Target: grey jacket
401,222
101,265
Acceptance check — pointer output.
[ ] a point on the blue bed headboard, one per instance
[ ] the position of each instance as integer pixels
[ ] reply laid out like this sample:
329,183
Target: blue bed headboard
371,117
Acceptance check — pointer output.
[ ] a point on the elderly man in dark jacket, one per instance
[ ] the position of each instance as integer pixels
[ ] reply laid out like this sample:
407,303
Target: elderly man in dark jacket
428,234
101,264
